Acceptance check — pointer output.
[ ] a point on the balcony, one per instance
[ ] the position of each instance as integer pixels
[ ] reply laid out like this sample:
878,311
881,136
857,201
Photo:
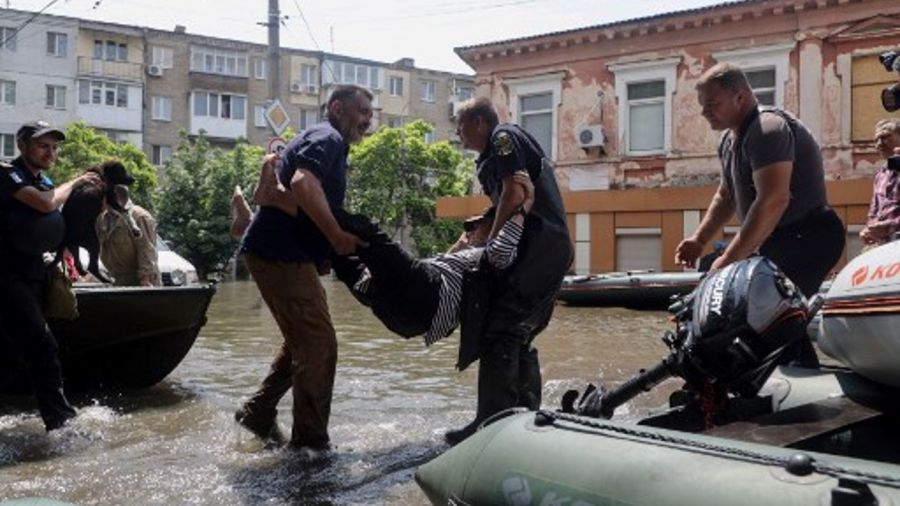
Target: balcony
96,67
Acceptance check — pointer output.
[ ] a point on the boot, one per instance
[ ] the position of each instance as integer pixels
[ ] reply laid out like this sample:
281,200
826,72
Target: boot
530,382
498,387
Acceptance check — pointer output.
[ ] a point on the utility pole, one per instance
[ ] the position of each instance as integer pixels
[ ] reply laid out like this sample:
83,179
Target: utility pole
274,25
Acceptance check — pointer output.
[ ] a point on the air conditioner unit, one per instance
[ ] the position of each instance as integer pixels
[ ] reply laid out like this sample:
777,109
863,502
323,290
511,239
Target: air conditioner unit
155,70
312,89
590,136
296,88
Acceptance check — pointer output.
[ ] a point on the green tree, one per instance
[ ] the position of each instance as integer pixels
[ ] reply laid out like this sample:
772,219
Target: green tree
396,178
85,148
194,210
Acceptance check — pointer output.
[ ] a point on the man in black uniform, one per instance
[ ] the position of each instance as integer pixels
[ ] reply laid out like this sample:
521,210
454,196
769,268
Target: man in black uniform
30,224
523,296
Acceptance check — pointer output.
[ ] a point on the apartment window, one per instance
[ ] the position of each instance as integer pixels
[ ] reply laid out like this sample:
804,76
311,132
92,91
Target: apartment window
160,154
7,146
396,86
7,92
162,56
351,73
465,93
56,97
308,118
8,38
644,92
394,122
308,75
102,93
56,43
217,61
259,116
646,116
762,82
110,50
536,117
217,105
259,68
162,108
430,137
428,90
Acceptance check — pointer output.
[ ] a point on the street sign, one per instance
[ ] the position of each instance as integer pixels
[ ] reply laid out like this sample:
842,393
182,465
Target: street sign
277,117
276,145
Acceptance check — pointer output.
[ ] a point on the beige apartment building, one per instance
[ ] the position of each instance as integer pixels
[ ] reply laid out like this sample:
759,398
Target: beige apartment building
615,106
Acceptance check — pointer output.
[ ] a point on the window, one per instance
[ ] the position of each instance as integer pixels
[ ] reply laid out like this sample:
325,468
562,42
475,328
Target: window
394,122
465,93
159,154
646,116
217,61
259,116
308,118
102,93
217,105
7,92
644,92
308,75
428,89
162,108
430,137
110,50
536,117
56,43
762,82
868,79
7,38
56,97
638,249
351,73
7,146
259,68
162,56
396,86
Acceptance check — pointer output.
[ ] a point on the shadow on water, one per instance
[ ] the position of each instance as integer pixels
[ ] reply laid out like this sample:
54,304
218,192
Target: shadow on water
337,477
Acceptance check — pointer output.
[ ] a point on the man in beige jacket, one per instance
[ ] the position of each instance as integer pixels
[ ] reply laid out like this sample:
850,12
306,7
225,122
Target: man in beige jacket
131,261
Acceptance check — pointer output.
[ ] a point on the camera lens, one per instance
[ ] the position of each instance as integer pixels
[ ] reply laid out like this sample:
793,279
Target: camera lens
890,98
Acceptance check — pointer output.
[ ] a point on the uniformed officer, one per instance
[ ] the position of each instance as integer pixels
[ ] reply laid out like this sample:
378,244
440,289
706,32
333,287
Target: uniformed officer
30,224
522,297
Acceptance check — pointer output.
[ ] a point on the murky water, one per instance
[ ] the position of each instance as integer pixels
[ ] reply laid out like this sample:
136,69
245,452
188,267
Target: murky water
177,443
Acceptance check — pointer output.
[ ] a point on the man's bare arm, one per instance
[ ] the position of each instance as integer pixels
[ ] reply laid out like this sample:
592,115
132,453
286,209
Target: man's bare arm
511,197
307,191
50,200
720,210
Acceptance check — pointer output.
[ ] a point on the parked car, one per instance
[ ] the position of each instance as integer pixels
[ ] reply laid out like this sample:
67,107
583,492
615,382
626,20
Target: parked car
175,270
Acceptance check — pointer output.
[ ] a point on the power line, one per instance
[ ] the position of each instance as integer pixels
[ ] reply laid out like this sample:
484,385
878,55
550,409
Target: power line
315,42
27,21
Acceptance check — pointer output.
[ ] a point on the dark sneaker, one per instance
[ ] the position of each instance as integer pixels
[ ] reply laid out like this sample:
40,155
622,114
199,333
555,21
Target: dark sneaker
265,428
59,422
454,437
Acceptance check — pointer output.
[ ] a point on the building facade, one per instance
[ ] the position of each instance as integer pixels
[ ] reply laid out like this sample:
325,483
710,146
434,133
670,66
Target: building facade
615,107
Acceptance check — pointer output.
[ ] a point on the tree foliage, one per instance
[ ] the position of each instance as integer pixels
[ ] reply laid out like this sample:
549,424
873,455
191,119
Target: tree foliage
194,203
85,148
396,178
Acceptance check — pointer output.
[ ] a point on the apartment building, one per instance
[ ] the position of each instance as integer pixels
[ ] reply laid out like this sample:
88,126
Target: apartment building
37,73
615,107
145,85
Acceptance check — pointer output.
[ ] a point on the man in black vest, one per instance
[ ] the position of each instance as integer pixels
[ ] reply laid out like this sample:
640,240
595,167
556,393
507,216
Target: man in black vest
522,297
772,176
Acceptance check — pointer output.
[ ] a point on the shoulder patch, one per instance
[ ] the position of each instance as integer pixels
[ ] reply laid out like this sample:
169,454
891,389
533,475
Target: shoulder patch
503,143
15,177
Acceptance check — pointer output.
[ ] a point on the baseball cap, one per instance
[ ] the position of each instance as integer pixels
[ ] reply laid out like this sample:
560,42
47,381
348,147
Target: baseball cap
34,129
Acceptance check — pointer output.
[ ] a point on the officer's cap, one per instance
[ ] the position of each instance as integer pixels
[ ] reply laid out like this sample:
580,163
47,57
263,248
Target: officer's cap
35,129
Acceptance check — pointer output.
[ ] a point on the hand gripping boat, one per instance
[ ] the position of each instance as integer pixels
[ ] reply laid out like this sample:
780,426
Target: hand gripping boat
742,430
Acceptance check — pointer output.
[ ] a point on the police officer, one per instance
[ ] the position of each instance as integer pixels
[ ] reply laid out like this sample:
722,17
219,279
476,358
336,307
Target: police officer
521,297
30,224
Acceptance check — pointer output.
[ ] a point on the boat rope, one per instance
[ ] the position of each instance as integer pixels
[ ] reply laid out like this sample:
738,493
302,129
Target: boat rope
830,469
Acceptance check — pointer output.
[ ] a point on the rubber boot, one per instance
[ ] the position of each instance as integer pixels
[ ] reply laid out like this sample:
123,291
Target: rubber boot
530,382
498,386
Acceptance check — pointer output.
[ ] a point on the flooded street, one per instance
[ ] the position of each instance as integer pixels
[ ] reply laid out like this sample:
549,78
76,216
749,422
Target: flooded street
177,443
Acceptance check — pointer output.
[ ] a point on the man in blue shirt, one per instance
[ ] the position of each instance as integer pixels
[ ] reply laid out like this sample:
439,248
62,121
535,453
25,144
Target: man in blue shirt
284,252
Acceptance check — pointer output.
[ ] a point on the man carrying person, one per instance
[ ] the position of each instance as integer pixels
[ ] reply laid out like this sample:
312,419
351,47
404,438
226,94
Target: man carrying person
31,225
284,252
772,176
884,209
522,297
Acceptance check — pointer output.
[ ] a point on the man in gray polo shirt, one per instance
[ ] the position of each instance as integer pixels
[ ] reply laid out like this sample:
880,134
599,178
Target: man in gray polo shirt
772,177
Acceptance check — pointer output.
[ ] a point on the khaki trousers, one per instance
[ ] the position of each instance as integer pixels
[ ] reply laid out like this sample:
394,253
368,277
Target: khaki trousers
307,358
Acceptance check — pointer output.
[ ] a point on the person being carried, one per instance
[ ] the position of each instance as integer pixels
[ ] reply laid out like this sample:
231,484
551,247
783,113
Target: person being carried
130,260
884,208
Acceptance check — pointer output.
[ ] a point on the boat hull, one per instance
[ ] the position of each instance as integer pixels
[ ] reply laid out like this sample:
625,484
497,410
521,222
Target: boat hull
125,337
630,290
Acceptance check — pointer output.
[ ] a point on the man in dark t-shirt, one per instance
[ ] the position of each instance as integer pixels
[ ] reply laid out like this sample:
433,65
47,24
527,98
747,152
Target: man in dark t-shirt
772,177
284,250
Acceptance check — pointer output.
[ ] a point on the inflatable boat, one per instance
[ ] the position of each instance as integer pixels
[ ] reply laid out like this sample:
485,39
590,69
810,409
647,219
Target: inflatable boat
635,290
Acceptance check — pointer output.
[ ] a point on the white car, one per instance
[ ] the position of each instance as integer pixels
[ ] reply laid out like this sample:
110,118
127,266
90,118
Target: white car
174,269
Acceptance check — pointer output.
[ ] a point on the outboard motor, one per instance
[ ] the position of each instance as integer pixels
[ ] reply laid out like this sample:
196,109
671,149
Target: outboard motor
730,332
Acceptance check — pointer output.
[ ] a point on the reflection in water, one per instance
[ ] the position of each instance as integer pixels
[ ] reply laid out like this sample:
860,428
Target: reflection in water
393,399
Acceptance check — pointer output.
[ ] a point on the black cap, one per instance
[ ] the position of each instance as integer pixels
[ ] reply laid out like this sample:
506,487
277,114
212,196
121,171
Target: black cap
34,129
473,222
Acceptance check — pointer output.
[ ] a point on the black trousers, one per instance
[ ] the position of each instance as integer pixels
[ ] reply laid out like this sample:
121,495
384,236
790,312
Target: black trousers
21,308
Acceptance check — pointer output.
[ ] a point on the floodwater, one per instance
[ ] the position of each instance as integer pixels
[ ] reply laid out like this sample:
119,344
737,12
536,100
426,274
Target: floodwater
177,443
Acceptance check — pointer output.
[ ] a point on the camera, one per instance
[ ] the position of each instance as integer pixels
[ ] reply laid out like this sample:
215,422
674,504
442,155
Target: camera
890,96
